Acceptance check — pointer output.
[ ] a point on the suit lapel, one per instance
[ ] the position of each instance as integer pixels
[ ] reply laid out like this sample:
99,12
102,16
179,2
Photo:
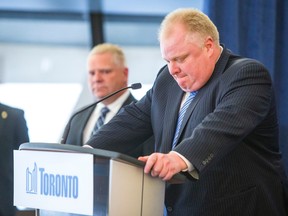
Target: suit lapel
83,122
188,113
174,98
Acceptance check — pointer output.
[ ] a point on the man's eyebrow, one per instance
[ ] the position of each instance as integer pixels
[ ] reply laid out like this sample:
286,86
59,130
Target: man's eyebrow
180,57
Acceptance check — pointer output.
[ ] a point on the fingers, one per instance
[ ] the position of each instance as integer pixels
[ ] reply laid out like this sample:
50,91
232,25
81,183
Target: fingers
161,165
157,168
143,158
151,161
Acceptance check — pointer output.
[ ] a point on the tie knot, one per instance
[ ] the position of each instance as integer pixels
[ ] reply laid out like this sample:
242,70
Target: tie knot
189,99
100,120
193,94
104,110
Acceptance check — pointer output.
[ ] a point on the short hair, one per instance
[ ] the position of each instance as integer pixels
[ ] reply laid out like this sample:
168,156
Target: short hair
194,20
116,50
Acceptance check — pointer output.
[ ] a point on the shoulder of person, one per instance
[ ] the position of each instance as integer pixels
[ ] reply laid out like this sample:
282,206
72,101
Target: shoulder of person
4,107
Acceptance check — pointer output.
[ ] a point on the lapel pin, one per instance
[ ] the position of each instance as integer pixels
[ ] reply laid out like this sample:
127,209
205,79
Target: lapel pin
4,114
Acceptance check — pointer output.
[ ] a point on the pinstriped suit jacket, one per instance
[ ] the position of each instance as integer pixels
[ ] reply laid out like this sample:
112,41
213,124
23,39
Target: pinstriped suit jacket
229,134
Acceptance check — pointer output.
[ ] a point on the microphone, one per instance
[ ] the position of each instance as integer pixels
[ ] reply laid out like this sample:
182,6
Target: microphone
67,128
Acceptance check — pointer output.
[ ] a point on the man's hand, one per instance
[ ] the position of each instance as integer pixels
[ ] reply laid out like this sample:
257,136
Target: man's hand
163,165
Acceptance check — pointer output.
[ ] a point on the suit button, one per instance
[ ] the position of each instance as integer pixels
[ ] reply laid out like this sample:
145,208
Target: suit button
169,209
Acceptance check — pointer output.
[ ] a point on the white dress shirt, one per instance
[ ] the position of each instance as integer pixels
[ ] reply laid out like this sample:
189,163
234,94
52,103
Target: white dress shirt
113,107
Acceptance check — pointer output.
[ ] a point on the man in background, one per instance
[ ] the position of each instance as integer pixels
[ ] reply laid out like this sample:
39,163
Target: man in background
13,132
107,73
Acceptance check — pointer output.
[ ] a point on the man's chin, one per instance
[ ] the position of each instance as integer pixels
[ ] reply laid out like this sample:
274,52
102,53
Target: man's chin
99,94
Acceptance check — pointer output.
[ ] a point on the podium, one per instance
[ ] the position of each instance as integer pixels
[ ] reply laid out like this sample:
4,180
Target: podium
62,179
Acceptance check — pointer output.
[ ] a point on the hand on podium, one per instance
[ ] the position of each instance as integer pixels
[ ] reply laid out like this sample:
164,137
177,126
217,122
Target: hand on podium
163,165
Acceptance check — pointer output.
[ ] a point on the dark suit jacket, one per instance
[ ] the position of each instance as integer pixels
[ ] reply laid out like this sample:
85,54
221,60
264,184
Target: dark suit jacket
229,134
75,135
13,132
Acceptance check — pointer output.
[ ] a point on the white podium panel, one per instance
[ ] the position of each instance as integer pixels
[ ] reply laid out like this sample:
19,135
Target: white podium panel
51,181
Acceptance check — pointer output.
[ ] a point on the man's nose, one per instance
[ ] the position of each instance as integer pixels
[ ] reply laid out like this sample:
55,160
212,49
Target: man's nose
173,68
97,76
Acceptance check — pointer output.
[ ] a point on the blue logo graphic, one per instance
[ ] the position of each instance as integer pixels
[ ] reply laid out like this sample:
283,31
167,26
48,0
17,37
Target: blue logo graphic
51,184
31,180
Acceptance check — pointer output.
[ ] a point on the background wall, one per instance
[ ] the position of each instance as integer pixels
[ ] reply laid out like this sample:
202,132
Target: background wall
43,49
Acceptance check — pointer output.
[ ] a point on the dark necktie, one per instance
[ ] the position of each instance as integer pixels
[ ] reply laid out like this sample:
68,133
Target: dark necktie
181,116
100,120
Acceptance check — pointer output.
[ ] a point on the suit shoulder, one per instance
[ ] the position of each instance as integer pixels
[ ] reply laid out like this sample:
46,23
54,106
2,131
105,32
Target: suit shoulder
239,62
10,109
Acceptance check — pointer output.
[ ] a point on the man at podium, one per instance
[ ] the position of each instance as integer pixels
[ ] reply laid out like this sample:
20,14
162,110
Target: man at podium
214,119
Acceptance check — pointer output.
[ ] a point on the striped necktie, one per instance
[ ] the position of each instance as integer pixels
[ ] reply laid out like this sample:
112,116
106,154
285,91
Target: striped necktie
181,116
100,120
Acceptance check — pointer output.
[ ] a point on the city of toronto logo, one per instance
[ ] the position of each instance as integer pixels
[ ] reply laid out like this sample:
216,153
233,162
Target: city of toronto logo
51,183
31,180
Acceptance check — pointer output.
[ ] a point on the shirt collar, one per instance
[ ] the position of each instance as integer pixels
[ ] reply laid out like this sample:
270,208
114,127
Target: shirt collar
116,105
